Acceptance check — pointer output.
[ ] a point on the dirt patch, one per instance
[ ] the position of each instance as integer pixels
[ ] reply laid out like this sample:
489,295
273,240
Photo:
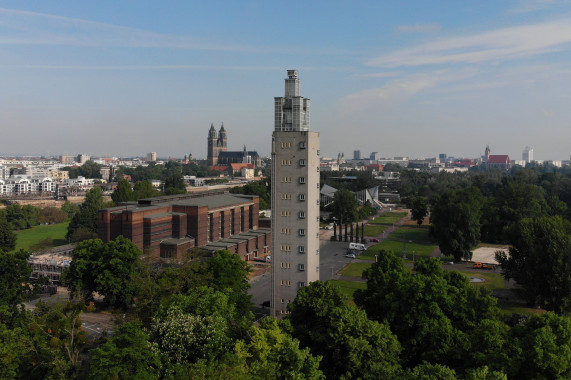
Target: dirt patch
487,254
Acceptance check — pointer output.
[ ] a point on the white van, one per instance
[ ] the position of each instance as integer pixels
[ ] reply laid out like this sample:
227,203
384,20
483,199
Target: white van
357,246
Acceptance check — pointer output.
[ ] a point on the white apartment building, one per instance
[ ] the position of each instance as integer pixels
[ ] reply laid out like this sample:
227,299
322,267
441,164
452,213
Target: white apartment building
295,197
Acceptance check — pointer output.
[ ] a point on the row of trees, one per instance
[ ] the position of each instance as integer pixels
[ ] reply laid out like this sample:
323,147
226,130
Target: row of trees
162,172
23,217
194,321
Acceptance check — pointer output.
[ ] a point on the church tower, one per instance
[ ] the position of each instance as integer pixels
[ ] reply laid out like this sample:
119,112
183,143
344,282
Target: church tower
222,140
295,197
212,157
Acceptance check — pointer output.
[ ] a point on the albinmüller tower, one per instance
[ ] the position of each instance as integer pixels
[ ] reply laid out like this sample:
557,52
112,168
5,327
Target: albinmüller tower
295,197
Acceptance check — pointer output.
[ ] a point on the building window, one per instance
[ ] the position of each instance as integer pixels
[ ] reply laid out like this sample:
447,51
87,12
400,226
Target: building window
301,179
302,162
318,168
317,252
285,213
302,215
301,267
301,249
318,152
301,284
286,196
301,232
302,145
317,268
302,197
318,185
285,231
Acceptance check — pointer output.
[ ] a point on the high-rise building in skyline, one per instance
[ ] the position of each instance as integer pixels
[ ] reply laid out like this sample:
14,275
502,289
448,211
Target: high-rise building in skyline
527,154
356,154
295,197
152,156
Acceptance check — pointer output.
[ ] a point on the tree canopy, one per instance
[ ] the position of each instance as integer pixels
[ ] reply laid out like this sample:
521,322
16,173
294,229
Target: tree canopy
456,220
540,261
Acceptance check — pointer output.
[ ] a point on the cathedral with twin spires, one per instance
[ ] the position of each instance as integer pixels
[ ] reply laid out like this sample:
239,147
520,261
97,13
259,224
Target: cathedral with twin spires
218,153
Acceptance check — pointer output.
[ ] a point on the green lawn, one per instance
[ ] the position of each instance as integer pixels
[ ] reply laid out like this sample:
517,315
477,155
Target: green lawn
55,232
389,218
414,234
354,269
492,280
347,288
374,229
395,246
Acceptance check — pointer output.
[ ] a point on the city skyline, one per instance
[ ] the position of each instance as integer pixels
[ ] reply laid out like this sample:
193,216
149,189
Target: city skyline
123,79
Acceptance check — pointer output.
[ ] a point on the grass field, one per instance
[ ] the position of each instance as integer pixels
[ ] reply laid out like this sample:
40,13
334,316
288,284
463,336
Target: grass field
389,218
418,249
347,288
414,234
374,229
492,280
28,238
355,269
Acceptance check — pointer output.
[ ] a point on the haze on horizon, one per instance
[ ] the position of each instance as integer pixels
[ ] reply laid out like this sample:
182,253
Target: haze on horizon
404,79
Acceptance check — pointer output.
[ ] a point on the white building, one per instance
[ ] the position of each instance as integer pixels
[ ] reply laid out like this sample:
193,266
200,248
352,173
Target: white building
295,197
527,154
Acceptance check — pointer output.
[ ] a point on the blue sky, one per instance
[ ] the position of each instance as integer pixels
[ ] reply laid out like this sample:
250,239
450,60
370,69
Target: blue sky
403,78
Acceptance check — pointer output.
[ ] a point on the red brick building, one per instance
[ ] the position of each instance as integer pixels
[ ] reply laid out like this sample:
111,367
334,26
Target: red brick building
168,226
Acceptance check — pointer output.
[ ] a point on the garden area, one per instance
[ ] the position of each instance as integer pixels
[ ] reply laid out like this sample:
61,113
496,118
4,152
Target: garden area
42,237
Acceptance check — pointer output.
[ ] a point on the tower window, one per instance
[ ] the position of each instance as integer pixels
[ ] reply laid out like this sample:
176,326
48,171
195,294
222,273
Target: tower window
301,267
301,249
301,232
302,162
301,179
302,197
302,145
302,215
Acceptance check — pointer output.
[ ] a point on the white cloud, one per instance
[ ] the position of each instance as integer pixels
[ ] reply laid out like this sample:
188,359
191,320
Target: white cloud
386,74
419,28
502,44
400,90
526,6
31,28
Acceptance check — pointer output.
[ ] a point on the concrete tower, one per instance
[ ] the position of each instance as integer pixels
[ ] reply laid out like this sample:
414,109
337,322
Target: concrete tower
295,197
527,154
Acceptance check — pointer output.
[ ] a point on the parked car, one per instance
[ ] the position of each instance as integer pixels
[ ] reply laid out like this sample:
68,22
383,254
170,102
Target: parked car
374,240
350,255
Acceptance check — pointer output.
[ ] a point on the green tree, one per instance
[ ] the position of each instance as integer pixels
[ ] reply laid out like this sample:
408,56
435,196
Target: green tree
69,208
57,339
431,311
194,326
144,189
540,261
174,184
14,282
272,354
455,222
52,215
127,355
352,346
123,192
90,169
7,236
86,217
260,188
344,206
545,346
419,209
229,275
105,268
